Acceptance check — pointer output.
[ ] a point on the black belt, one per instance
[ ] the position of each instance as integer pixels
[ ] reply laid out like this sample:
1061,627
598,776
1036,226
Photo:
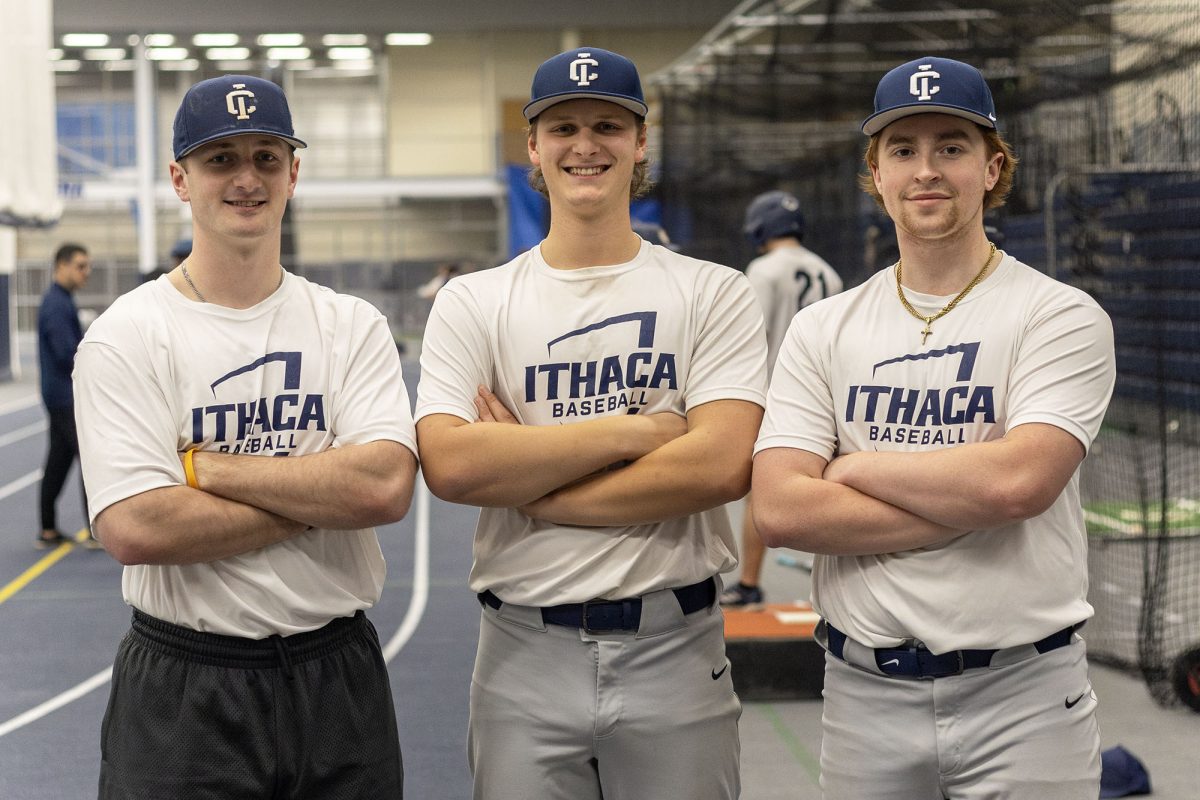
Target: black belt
598,616
917,662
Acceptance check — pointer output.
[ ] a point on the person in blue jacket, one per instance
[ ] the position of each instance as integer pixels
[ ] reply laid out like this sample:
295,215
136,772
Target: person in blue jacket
59,334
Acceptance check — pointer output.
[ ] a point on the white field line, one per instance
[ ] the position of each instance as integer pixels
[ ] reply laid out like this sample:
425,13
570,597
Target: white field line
412,618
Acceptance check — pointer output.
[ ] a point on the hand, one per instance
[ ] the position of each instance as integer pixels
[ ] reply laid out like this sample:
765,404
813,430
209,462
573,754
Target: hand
490,408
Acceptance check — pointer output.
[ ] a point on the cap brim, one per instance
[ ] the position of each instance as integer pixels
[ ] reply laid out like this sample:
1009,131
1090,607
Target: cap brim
538,106
877,122
293,141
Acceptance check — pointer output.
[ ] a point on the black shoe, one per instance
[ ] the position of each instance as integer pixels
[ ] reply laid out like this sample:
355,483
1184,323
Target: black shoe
742,596
50,542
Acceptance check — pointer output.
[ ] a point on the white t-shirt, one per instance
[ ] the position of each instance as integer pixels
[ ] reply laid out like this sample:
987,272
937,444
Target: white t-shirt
786,280
854,376
304,370
662,332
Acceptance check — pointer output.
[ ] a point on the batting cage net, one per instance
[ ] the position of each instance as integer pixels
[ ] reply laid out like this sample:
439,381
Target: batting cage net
1102,105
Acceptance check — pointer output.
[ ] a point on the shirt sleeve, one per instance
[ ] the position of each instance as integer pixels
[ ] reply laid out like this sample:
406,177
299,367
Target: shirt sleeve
456,357
730,358
373,401
1064,371
800,410
128,440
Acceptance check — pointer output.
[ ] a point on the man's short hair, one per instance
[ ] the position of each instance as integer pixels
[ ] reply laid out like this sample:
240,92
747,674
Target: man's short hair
68,251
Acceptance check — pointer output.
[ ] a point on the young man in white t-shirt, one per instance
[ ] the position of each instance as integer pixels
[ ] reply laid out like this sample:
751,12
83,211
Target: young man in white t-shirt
250,670
923,436
598,396
786,277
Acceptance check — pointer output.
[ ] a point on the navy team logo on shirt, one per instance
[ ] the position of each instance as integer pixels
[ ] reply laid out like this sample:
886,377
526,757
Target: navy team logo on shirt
262,425
588,387
926,416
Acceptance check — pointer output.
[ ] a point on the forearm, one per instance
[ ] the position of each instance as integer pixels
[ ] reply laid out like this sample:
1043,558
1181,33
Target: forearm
343,488
706,467
180,525
820,516
507,465
970,487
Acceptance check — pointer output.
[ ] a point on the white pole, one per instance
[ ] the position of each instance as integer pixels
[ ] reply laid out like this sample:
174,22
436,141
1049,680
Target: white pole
144,94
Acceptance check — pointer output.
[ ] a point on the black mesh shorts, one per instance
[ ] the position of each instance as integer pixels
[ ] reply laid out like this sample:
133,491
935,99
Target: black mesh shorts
198,716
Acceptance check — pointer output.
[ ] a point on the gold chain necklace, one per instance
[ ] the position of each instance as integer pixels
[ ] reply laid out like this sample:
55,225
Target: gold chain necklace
929,320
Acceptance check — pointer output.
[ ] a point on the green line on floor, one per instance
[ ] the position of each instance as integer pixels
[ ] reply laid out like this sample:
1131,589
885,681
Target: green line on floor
804,758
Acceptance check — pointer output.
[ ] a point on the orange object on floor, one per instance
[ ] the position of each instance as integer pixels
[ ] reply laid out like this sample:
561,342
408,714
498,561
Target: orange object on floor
773,621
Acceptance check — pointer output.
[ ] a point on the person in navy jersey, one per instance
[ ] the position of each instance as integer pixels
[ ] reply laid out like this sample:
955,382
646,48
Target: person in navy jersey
59,334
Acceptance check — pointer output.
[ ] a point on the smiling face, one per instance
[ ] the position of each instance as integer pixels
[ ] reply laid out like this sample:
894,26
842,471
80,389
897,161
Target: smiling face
932,172
237,186
586,151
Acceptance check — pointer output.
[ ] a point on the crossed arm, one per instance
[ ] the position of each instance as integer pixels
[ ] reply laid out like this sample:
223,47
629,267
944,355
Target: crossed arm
248,502
865,503
562,474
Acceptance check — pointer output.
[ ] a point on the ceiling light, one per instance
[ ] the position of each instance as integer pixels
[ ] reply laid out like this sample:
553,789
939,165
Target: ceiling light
227,53
235,66
288,53
124,65
363,65
407,39
186,65
84,39
350,53
281,39
67,65
344,39
159,40
56,53
104,54
215,39
167,53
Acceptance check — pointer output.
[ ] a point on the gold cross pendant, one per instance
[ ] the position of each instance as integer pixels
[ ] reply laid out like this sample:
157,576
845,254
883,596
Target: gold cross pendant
925,334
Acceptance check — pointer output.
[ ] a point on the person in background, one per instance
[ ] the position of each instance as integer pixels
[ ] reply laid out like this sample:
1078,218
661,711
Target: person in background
786,277
59,335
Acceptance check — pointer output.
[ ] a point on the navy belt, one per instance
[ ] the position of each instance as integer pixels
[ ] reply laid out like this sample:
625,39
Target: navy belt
916,661
599,616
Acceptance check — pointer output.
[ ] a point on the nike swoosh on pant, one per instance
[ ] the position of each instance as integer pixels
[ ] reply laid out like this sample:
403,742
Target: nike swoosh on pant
1069,703
716,674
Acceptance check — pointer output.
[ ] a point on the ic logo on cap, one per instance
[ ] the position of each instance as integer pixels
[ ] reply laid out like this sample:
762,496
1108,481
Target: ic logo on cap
235,101
920,84
579,69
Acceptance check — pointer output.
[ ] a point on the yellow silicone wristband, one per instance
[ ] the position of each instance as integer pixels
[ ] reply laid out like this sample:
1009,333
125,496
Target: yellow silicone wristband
189,469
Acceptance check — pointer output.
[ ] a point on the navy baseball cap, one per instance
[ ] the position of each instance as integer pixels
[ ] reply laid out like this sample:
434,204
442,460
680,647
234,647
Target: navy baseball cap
586,72
1122,774
932,84
231,106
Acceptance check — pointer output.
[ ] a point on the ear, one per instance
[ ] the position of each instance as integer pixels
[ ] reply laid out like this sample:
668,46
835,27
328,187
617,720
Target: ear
535,158
992,175
294,174
874,167
640,151
179,181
